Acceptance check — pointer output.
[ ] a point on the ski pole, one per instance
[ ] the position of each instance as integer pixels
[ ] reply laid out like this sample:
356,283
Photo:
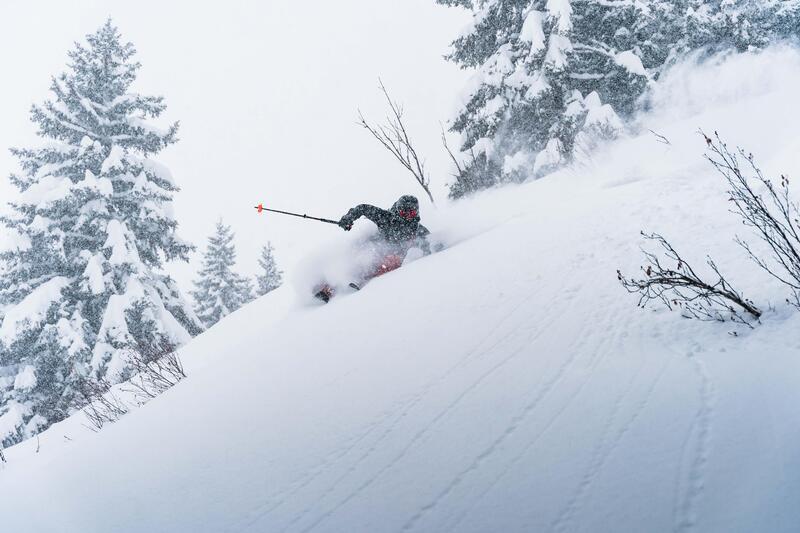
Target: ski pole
260,208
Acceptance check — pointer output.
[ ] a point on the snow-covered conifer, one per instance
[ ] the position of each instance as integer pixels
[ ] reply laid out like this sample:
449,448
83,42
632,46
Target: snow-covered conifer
547,70
742,25
93,225
219,290
270,277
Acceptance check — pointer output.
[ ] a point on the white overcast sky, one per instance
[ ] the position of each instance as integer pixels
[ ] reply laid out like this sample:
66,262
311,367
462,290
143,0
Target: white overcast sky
267,94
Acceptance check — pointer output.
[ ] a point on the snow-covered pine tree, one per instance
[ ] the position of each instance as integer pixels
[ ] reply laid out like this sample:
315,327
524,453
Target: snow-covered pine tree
742,25
94,222
270,277
547,70
219,290
789,18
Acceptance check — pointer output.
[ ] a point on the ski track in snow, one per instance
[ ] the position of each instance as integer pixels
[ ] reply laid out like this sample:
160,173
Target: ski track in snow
330,460
418,437
598,457
594,362
687,500
519,419
601,455
472,356
589,478
404,409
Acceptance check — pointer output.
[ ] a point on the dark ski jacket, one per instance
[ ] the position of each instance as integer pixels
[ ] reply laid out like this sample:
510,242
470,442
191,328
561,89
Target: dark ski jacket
394,229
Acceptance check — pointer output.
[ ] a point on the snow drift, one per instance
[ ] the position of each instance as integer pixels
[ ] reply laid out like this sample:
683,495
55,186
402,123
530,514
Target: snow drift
505,384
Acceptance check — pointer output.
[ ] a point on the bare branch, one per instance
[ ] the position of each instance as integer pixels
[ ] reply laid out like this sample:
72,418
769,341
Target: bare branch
99,404
660,138
393,136
680,287
156,368
765,207
459,168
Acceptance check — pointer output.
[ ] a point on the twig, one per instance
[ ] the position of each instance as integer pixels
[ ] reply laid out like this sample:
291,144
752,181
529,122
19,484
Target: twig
682,288
772,214
660,138
394,137
459,168
99,404
156,368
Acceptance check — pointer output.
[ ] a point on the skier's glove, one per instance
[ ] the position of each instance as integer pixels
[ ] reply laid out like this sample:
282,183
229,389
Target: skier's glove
346,224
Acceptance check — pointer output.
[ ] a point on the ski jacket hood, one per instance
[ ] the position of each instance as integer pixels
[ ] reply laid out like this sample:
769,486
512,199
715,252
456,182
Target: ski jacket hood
406,203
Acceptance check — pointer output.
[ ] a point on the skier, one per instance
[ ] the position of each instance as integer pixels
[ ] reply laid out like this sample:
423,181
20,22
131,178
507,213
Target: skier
399,230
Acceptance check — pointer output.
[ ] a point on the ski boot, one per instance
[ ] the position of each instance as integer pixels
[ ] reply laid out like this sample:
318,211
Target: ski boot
325,293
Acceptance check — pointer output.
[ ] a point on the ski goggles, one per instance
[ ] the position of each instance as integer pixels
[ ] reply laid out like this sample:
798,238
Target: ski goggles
408,213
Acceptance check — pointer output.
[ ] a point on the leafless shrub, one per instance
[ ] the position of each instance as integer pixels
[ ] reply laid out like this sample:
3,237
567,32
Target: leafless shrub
768,210
2,457
155,368
99,404
393,135
680,287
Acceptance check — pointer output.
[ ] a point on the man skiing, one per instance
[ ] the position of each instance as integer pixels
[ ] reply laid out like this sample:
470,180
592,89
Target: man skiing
399,230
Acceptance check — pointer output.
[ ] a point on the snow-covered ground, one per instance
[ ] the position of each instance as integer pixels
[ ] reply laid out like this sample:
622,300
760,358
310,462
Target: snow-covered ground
507,383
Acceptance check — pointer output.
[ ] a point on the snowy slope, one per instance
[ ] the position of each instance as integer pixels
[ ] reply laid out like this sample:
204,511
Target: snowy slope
505,384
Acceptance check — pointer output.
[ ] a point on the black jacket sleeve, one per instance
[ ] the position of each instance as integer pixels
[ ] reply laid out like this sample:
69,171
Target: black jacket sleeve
375,214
